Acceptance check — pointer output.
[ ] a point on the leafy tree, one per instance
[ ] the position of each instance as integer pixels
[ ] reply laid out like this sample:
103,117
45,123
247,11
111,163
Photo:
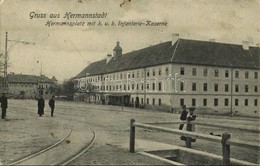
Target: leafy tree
68,89
86,89
55,90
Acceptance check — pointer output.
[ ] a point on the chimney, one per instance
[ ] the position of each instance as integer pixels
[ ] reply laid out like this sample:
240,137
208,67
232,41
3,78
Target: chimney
212,40
109,57
175,37
245,45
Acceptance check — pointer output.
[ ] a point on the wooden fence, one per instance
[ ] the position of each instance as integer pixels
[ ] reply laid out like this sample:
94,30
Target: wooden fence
225,139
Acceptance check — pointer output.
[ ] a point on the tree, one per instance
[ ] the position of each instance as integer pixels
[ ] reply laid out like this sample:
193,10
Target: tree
68,89
87,89
55,90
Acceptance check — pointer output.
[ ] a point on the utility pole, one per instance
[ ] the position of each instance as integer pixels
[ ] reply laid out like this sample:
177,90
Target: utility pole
6,57
5,63
41,68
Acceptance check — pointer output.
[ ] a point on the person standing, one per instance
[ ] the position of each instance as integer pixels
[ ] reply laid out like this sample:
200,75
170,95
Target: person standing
183,116
41,104
4,105
191,117
52,105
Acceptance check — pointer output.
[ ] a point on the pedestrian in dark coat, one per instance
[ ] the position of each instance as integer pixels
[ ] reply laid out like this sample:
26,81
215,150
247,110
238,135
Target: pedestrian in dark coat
52,105
183,116
41,104
4,105
191,117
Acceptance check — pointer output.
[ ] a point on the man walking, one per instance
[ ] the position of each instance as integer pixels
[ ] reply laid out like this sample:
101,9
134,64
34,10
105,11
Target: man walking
4,105
41,104
52,105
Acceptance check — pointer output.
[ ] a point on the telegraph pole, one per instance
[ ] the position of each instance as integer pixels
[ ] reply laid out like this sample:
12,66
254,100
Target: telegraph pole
5,63
6,57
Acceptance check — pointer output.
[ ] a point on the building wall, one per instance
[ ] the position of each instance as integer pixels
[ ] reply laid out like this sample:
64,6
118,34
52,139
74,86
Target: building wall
45,87
30,89
162,84
221,93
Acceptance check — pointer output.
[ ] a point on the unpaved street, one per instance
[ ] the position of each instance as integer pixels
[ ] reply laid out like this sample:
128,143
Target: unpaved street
24,132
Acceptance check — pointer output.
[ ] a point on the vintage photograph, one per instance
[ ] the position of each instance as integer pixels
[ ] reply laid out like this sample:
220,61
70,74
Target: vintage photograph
129,82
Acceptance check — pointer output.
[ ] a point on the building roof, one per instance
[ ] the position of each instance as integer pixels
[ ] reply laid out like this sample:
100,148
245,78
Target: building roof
22,78
216,54
54,78
184,51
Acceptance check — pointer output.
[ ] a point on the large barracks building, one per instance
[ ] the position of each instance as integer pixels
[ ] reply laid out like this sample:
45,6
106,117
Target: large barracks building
203,74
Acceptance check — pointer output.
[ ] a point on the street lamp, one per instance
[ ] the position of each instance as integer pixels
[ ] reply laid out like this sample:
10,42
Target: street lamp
15,42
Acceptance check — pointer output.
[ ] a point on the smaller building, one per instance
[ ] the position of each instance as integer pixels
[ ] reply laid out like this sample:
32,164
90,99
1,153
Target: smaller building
54,80
29,86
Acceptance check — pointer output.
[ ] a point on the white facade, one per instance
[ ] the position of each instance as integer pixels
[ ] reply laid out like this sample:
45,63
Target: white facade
205,87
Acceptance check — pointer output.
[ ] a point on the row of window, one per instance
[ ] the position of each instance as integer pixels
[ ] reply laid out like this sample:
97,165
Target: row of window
154,72
216,73
27,85
204,102
133,87
20,85
159,87
42,86
133,74
216,87
26,92
216,102
148,101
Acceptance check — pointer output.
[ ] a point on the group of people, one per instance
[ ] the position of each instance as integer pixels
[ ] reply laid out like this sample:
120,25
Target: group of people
41,105
187,115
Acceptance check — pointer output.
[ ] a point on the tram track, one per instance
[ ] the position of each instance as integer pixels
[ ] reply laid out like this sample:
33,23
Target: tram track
75,143
60,153
81,152
41,151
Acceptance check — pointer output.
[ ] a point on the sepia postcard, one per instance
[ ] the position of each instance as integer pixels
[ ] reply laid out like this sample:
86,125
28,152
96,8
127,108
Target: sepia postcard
129,82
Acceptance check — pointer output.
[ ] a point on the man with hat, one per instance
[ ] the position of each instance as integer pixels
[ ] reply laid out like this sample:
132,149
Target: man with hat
41,104
4,104
52,105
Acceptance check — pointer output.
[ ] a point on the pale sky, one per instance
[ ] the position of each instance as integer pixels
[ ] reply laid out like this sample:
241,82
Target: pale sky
65,51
